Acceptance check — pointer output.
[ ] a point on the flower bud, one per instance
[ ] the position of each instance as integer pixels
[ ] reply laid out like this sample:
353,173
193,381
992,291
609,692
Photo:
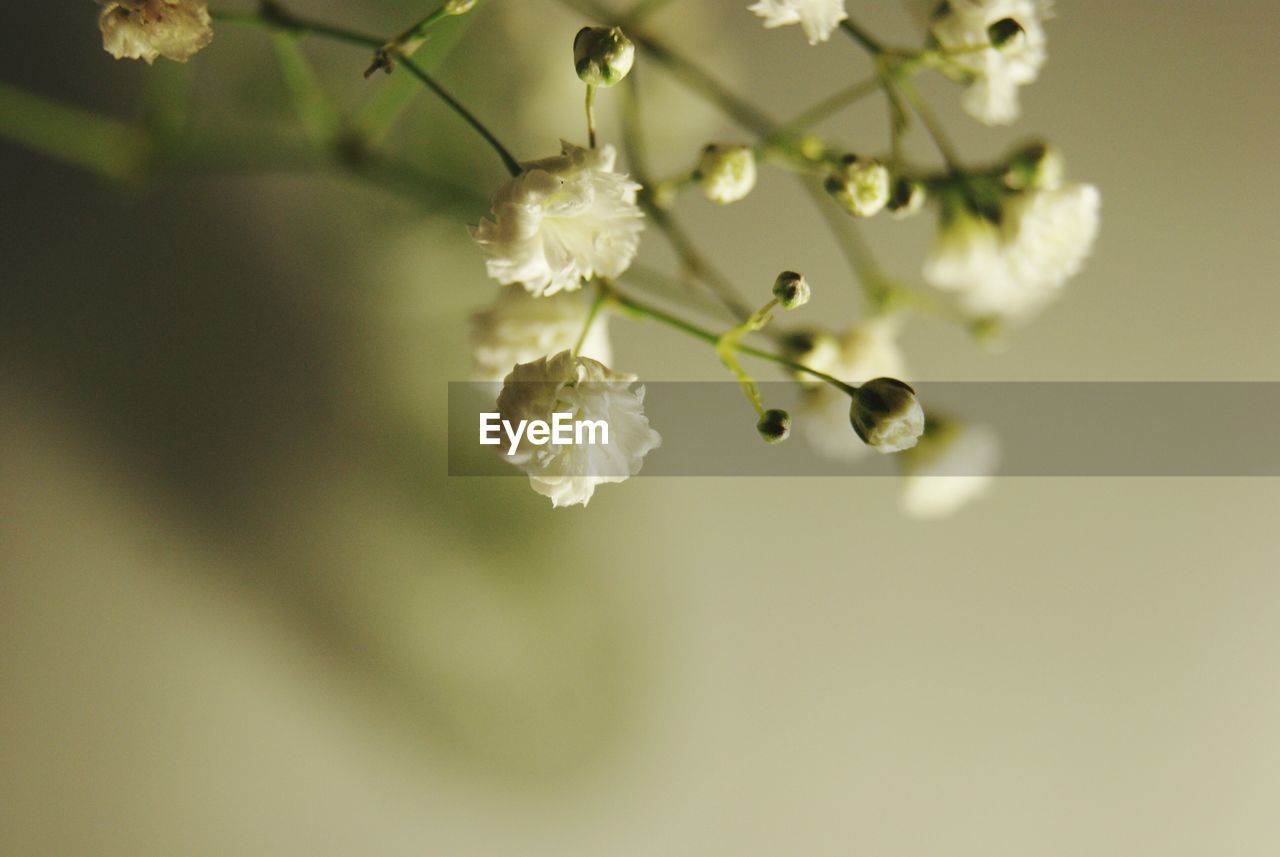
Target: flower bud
1004,31
458,7
861,185
886,415
1035,166
775,425
906,197
791,290
726,173
602,55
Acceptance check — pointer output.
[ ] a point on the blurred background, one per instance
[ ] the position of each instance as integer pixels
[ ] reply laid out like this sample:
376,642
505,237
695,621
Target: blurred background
243,610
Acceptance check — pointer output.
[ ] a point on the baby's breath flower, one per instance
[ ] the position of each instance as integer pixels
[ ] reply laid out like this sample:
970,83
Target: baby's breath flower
886,415
791,290
861,185
1036,165
520,328
774,425
952,465
818,18
995,46
726,173
588,390
564,219
602,56
869,350
147,29
906,197
1013,268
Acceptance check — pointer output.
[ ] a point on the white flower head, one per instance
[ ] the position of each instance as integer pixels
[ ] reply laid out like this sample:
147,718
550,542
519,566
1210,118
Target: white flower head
519,328
952,465
587,390
869,350
963,29
818,18
862,185
887,415
1013,268
563,220
147,29
726,172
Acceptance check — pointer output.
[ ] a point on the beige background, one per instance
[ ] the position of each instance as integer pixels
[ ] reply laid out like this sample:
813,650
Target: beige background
242,610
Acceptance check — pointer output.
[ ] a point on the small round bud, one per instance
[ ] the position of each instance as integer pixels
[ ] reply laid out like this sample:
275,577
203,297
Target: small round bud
791,290
906,197
459,7
886,415
1035,166
775,425
602,55
861,185
726,173
1004,32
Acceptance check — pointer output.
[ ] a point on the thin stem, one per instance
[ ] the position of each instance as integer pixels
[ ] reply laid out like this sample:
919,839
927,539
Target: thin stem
930,122
101,144
828,107
854,249
643,9
591,115
512,165
274,17
862,37
601,296
707,336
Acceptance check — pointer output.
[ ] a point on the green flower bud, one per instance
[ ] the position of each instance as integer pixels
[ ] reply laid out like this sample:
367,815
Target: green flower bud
886,415
602,55
459,7
726,173
791,290
1004,31
1035,166
861,185
774,426
906,197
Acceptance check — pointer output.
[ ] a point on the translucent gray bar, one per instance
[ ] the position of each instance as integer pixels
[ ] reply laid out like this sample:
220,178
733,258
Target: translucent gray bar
1044,429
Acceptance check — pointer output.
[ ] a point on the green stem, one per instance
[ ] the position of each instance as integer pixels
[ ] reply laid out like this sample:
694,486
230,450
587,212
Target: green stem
857,253
862,37
100,144
602,295
828,107
274,17
508,161
643,9
591,115
930,122
317,114
646,311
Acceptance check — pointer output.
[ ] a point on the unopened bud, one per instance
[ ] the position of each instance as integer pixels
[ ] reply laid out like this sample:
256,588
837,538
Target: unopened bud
459,7
602,55
1004,31
774,426
886,415
791,290
861,185
1037,166
906,197
726,173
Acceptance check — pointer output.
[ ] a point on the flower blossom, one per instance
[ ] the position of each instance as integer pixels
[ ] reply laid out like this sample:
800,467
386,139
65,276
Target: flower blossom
952,465
963,30
519,328
147,29
869,350
818,18
563,220
1012,268
588,390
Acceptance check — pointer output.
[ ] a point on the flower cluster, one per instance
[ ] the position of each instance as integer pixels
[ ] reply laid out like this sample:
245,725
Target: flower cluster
149,29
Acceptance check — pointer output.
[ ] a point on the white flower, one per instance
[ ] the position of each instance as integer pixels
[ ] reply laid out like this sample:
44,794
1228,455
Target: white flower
146,29
818,18
867,351
588,390
726,173
1013,269
861,185
887,415
993,73
519,328
563,220
952,465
